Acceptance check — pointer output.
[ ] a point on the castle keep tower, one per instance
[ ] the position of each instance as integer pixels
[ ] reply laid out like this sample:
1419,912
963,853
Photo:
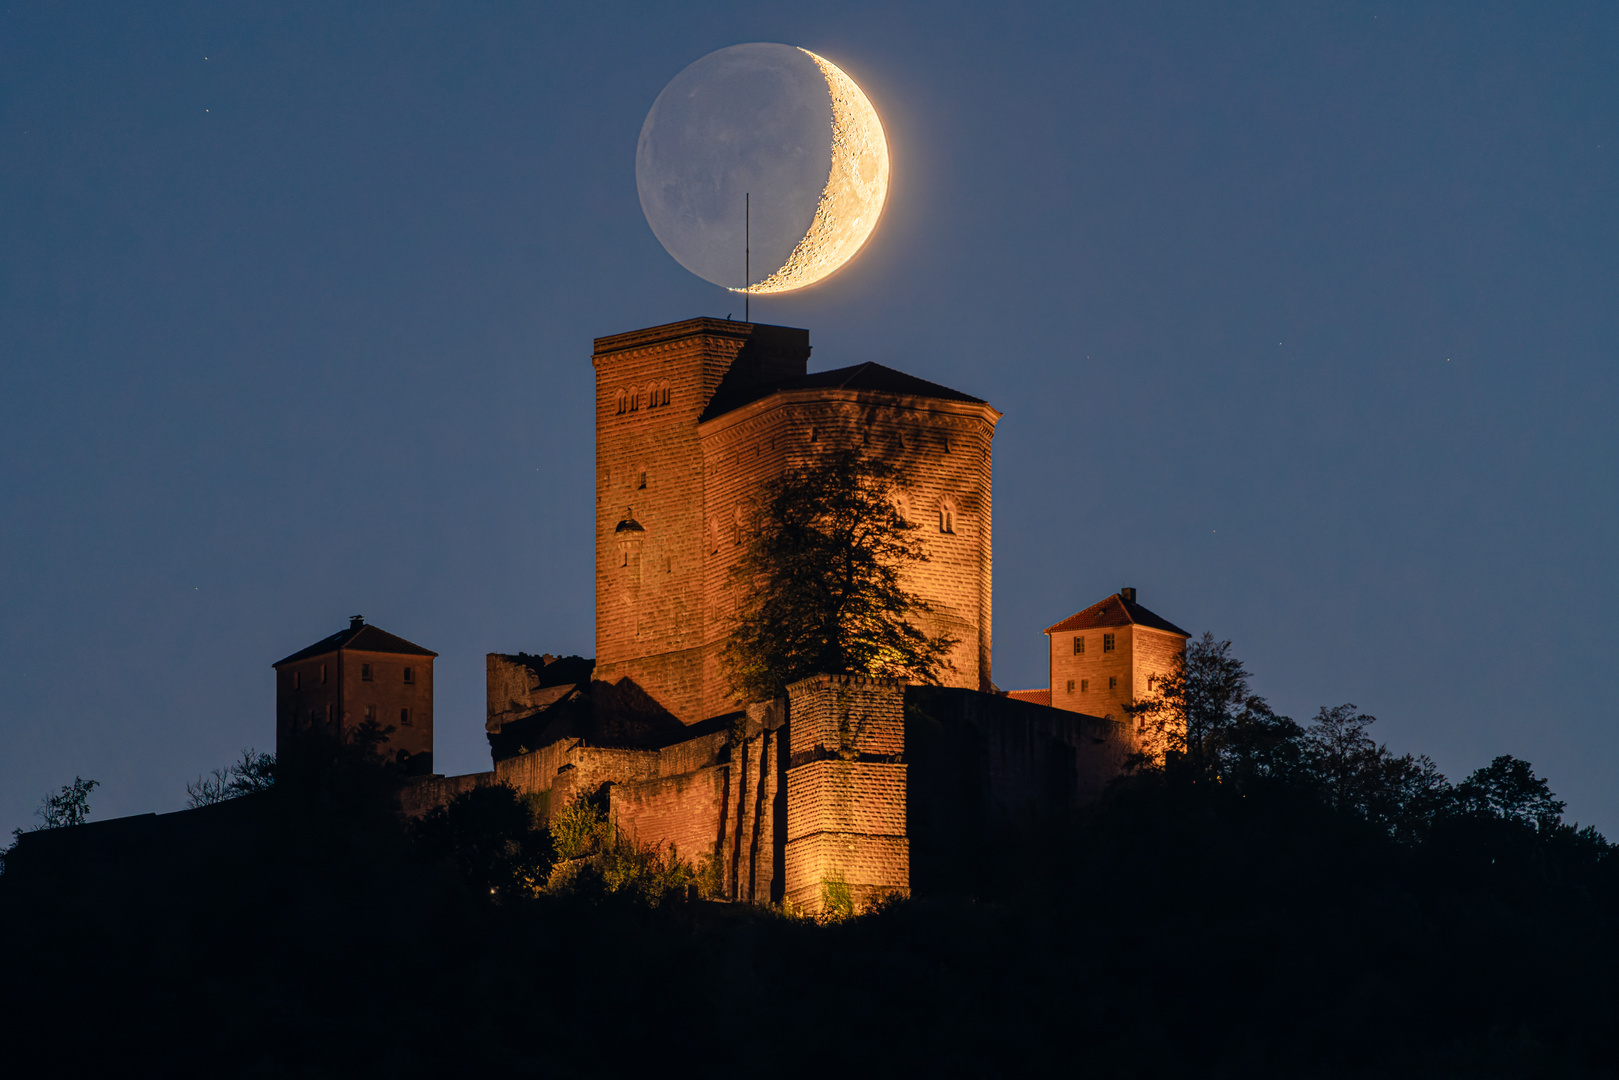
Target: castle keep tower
652,387
691,419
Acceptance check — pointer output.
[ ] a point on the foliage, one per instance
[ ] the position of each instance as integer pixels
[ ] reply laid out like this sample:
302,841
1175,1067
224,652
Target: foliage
709,877
346,769
1508,788
579,829
254,773
70,806
492,836
599,860
652,874
1211,728
821,582
837,899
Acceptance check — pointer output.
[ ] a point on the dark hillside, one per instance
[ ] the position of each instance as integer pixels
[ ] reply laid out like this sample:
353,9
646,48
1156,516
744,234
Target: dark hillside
1176,929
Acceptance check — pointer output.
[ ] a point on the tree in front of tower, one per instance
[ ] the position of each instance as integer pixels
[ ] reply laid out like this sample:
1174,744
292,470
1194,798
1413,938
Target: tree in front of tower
820,583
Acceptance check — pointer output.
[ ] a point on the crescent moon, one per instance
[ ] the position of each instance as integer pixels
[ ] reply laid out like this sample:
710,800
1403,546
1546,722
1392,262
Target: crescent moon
856,188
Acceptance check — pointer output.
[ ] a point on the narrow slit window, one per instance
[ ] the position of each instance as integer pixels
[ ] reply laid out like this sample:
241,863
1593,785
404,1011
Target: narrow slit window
323,673
297,680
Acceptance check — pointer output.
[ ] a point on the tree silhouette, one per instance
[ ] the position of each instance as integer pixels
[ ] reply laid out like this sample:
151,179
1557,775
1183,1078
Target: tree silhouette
255,772
70,806
1508,788
821,583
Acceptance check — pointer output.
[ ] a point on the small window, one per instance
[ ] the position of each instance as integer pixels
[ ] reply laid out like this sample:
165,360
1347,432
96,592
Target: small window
1070,686
410,675
1084,686
365,672
297,680
1107,642
947,515
1079,646
642,484
618,403
404,717
1112,682
328,712
371,713
323,673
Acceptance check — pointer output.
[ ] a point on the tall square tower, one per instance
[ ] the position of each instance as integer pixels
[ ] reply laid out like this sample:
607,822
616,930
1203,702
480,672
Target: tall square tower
652,387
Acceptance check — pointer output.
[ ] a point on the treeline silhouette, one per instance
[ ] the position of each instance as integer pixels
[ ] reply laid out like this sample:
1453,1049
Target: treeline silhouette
1267,898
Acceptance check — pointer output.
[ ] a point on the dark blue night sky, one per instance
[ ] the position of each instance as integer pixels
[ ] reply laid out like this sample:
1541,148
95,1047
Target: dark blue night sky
1304,321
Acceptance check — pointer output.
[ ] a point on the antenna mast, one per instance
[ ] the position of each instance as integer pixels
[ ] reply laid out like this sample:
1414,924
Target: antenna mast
747,254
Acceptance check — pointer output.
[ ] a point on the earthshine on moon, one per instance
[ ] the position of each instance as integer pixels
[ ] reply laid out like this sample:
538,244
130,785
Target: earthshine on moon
788,130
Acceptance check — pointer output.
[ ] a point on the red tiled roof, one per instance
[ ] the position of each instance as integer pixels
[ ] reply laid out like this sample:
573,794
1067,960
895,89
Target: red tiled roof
1041,696
1115,611
362,638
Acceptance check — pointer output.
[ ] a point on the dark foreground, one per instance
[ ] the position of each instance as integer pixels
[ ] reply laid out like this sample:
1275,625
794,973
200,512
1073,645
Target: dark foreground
1176,930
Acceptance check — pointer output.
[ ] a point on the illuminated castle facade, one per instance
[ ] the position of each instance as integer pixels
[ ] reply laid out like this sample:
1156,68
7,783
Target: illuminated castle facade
867,782
691,420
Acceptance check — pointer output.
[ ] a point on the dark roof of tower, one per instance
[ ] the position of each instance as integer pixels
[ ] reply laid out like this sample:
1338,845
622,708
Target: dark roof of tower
1115,611
867,376
362,638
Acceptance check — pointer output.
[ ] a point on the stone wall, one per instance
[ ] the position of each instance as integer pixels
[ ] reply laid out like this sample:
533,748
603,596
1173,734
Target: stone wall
846,790
942,449
981,764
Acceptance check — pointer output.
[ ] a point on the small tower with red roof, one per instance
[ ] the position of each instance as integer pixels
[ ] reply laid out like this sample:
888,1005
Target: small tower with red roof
1110,654
359,675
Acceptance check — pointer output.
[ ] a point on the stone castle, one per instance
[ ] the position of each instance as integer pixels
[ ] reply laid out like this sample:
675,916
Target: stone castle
868,782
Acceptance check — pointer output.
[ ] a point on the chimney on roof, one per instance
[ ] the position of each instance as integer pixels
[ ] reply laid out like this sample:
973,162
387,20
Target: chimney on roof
1129,594
356,621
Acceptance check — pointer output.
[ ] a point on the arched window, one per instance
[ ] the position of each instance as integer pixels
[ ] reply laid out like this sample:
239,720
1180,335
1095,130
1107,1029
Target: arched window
947,514
619,402
663,392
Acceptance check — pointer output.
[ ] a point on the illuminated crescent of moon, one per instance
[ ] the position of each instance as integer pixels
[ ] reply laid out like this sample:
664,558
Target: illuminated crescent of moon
855,191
